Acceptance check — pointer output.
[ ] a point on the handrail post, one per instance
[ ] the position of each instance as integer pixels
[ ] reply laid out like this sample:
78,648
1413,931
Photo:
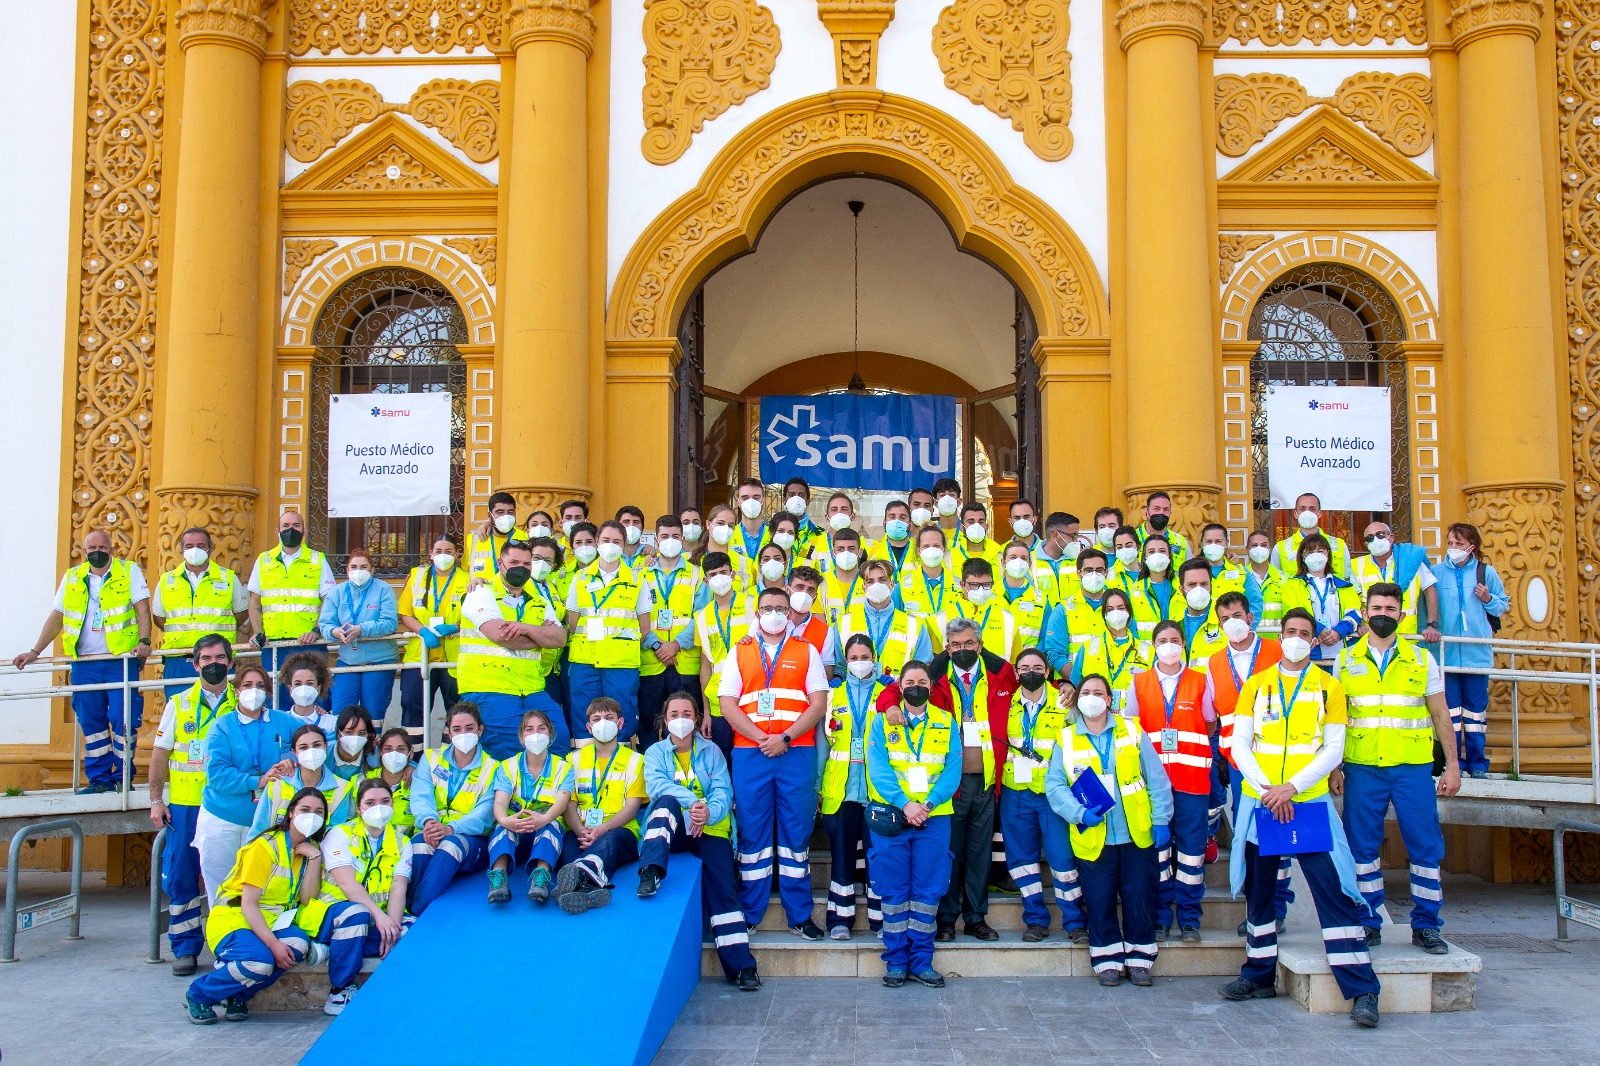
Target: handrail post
1594,727
1560,840
77,882
130,736
8,935
1516,730
156,848
427,695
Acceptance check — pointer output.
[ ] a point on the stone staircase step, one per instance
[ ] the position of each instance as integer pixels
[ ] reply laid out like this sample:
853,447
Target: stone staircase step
1218,912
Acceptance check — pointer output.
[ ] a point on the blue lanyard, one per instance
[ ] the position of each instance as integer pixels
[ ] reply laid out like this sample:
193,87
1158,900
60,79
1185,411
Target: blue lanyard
453,787
439,599
922,735
544,590
927,587
723,631
595,779
521,606
543,774
350,600
1029,721
1288,704
1171,702
857,713
770,667
898,558
1103,754
879,633
1383,663
968,694
1116,671
749,550
494,553
672,582
255,749
850,595
1322,596
1255,652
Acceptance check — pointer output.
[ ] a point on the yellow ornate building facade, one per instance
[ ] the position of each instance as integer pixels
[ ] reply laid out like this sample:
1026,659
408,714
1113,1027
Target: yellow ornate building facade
564,200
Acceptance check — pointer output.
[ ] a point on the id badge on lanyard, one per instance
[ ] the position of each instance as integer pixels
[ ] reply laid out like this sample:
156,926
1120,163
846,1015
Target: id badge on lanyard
593,816
858,749
594,629
1022,769
1169,741
766,703
917,779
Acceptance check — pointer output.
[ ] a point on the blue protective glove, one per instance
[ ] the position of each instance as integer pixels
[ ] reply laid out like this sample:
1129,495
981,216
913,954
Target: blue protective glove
447,631
1162,835
429,637
1091,819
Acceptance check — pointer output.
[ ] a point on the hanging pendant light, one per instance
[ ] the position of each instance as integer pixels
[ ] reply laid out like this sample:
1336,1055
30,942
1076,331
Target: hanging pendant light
856,384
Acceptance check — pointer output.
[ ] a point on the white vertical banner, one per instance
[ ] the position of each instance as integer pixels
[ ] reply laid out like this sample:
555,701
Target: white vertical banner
388,454
1332,440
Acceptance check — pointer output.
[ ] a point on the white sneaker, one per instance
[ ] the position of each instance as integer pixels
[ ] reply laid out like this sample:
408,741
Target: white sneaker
338,999
838,932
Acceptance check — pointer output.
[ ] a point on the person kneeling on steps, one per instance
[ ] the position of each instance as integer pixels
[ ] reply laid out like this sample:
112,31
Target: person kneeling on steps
603,833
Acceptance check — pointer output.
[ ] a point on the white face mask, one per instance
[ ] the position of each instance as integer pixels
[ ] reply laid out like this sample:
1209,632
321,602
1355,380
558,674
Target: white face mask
1213,552
539,569
1017,569
1158,563
1260,554
774,622
540,530
395,761
669,547
1316,562
1169,653
306,823
681,728
1235,629
692,531
861,669
1198,598
878,593
359,578
975,532
838,520
931,556
721,584
304,695
586,553
1105,535
311,758
1091,706
1117,619
503,523
1307,520
352,745
772,570
920,516
1295,649
1457,556
196,556
444,562
1071,549
1380,545
378,815
630,534
1094,582
536,743
800,602
1022,528
947,505
721,534
603,729
846,561
609,552
979,596
252,699
465,743
750,507
795,505
567,526
1126,556
783,540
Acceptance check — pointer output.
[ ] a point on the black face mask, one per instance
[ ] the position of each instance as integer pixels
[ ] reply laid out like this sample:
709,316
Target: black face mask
290,538
1158,522
214,673
99,559
1031,681
517,576
965,659
1383,626
915,695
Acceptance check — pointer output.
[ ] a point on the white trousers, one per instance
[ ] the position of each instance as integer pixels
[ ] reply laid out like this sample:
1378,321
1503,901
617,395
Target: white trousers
218,843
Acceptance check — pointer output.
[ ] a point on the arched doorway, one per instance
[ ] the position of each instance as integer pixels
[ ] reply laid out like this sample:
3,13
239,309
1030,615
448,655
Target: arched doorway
389,330
1328,323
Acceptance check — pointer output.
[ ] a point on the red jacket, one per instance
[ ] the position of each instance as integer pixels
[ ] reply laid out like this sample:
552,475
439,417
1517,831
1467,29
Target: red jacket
1002,683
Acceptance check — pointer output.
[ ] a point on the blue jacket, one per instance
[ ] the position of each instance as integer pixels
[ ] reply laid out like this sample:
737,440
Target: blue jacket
1058,791
476,822
374,609
237,754
887,783
1464,615
710,770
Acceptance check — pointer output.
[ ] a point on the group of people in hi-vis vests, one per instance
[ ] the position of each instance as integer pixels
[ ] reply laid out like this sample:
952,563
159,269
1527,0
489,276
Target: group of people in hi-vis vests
1099,698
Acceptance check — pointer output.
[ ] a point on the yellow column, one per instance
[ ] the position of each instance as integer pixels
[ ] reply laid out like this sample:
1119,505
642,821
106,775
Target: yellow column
1075,392
1515,489
208,369
543,421
1170,263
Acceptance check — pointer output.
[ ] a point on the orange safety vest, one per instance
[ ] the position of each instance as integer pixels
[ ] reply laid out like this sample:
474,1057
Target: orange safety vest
1189,767
788,688
1225,692
814,632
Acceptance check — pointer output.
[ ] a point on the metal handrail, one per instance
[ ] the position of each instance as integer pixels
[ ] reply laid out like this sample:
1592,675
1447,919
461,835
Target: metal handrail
51,910
1568,908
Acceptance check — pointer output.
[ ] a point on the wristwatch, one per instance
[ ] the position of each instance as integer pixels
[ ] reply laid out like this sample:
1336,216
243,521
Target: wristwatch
786,741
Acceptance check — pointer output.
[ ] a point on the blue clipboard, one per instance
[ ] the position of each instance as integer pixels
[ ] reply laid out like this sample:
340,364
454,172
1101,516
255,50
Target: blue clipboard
1310,830
1090,791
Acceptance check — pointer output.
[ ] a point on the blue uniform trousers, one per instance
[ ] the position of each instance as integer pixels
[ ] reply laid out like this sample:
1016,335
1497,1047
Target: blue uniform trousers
776,798
245,966
525,849
180,880
1368,791
615,849
1343,938
411,710
348,933
585,682
849,841
1219,791
664,833
1182,863
502,720
1033,831
911,872
101,717
1125,874
432,869
1467,696
371,689
179,673
1285,893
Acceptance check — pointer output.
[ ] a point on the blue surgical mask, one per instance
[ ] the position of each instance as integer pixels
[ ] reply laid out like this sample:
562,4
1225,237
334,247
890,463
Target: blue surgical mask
896,529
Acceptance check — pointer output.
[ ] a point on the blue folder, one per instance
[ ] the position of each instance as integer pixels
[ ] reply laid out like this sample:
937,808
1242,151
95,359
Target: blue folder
1310,830
1091,792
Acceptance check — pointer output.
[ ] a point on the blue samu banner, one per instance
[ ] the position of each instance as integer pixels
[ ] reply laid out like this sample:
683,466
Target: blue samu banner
845,441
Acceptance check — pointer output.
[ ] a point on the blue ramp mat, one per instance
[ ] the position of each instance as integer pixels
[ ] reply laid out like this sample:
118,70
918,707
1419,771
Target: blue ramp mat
488,974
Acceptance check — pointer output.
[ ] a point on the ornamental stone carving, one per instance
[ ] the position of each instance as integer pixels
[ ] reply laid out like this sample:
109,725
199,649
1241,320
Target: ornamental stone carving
1286,22
391,169
1322,160
466,113
1523,529
1138,18
227,512
1398,108
321,114
856,26
236,22
1011,57
701,58
366,27
1250,106
1232,249
299,254
568,21
1192,506
481,250
1478,17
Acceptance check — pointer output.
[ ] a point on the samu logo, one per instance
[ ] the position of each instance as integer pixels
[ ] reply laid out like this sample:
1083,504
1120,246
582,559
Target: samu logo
1327,405
384,412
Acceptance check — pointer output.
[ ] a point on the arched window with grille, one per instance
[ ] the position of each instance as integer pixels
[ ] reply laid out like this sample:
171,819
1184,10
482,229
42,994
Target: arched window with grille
389,330
1329,324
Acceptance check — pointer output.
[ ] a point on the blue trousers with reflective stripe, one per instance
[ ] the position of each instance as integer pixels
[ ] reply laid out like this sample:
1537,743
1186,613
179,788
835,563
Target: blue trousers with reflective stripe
432,869
525,849
348,932
180,880
1123,874
776,798
502,721
1467,696
1182,864
1285,894
911,873
1343,937
849,840
1368,791
180,673
100,716
1033,831
245,966
615,849
621,683
664,833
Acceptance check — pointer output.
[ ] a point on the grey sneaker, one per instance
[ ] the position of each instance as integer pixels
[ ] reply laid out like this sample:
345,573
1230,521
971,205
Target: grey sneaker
582,900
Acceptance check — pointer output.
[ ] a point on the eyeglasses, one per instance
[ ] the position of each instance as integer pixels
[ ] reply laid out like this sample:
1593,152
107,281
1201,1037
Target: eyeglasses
1370,537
